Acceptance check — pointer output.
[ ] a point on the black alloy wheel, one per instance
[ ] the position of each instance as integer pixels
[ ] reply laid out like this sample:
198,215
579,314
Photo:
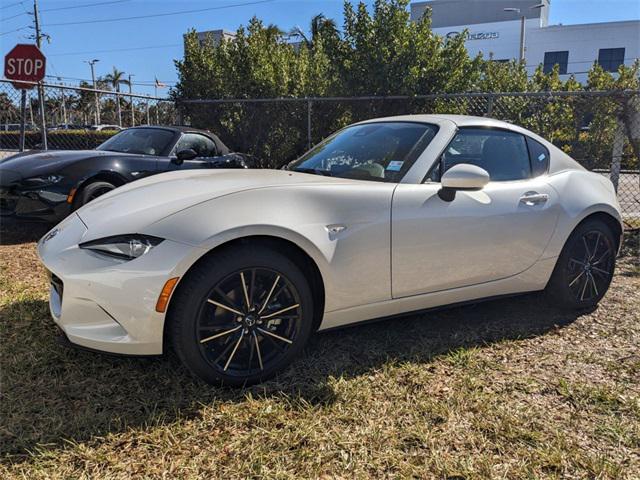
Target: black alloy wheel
590,266
248,321
241,315
585,267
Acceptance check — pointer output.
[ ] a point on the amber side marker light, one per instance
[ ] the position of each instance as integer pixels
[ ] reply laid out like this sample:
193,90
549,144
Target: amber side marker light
165,294
72,194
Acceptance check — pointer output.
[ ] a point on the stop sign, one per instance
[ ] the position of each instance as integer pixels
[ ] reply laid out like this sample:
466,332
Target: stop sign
24,62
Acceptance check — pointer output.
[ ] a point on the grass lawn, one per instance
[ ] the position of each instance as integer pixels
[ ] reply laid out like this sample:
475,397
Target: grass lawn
504,389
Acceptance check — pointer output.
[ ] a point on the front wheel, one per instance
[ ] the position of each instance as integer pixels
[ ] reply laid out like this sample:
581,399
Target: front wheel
241,316
92,191
585,267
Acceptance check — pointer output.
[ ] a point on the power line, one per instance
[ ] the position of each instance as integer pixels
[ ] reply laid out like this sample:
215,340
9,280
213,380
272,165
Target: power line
14,16
67,8
84,5
138,17
116,50
11,5
13,31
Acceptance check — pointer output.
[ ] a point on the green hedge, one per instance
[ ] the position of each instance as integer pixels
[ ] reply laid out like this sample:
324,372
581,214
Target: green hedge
57,139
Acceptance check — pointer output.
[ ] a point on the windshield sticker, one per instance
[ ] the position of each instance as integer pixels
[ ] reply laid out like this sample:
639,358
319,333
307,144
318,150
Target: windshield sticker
542,157
395,165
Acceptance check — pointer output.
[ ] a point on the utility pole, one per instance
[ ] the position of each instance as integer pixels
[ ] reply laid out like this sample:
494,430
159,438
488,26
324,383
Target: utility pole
43,125
133,113
95,87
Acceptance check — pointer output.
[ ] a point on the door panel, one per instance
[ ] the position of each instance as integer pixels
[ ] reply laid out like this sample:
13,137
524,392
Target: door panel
478,237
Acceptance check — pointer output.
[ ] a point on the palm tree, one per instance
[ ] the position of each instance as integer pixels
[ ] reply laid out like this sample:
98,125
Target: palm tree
115,79
320,27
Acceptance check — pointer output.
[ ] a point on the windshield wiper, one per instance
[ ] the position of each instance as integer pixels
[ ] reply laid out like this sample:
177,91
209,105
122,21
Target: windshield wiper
314,171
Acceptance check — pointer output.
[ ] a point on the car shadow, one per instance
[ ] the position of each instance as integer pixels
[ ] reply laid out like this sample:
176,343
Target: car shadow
13,232
54,394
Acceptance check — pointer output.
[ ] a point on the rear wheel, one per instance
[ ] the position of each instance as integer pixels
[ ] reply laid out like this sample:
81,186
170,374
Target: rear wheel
241,316
92,191
585,267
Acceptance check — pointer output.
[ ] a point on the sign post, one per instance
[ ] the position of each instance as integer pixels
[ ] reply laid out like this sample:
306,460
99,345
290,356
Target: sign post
26,63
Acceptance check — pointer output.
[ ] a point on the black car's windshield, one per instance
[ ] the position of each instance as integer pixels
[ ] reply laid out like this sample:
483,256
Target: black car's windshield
146,141
382,151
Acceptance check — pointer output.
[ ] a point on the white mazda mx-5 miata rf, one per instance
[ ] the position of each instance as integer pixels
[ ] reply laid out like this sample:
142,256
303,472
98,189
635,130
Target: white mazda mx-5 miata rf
236,268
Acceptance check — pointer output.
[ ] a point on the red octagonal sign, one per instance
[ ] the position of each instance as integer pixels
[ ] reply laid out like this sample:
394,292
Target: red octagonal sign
24,62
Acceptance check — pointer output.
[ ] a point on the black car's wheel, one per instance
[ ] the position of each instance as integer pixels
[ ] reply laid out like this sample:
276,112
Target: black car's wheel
585,267
92,191
241,316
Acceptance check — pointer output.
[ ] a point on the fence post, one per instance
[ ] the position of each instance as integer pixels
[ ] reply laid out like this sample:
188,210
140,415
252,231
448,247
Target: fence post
309,102
43,122
23,116
179,114
489,105
148,117
616,154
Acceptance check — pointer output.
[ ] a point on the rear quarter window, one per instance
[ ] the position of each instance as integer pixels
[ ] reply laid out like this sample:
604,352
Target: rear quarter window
539,155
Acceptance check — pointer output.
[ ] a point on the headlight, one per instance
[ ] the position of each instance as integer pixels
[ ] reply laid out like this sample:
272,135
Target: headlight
126,247
41,181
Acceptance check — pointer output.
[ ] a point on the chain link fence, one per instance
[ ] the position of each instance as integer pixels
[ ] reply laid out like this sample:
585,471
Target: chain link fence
601,130
76,118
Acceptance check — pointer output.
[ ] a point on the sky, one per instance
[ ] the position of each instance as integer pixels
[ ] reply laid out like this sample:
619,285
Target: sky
147,46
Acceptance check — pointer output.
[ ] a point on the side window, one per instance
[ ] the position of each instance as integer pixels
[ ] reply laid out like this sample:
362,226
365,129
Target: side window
204,146
501,153
539,157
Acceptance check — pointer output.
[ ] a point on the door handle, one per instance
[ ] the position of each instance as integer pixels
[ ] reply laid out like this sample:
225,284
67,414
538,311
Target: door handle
534,198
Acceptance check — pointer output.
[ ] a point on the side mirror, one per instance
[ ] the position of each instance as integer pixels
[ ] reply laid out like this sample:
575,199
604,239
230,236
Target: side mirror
186,154
463,176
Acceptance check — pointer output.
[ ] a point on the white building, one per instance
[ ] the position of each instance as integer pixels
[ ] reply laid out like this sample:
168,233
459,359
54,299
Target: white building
217,35
496,33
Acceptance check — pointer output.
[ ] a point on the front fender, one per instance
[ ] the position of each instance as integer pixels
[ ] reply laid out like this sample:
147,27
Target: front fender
354,261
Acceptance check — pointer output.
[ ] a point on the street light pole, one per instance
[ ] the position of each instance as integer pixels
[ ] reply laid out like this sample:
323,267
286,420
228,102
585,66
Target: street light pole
95,87
523,20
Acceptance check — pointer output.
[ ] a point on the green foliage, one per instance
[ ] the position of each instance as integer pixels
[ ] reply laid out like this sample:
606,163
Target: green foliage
380,52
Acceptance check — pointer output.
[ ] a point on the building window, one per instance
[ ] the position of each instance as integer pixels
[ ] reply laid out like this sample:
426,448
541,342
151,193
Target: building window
552,59
611,58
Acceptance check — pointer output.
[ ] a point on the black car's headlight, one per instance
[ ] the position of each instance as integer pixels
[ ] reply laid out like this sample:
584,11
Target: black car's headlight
126,247
41,181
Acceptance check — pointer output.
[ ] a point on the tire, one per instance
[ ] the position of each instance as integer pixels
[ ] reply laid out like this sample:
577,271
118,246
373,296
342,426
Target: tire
92,191
222,340
585,267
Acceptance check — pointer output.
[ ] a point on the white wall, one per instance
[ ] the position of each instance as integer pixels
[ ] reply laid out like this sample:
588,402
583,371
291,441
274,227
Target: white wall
582,42
506,46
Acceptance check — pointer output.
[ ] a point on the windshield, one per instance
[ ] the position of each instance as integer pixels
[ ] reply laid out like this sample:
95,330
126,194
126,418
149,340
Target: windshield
381,151
146,141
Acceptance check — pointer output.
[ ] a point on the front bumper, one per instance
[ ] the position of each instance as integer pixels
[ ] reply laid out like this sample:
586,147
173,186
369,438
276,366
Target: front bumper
29,203
103,303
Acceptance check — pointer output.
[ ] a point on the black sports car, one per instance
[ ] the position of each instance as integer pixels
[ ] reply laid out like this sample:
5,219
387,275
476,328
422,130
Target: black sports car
48,185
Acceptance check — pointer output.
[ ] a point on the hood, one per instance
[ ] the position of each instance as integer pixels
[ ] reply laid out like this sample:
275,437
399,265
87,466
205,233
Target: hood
132,207
30,164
